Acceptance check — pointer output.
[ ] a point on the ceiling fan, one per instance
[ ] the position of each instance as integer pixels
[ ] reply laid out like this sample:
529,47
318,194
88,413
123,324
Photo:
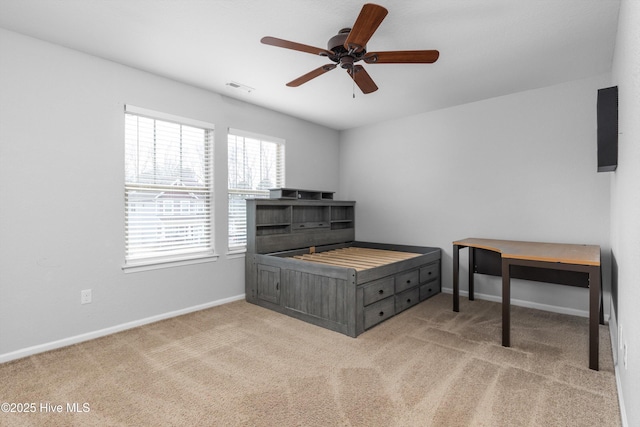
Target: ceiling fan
350,46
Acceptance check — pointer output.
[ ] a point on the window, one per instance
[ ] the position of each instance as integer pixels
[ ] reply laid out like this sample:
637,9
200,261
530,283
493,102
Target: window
168,188
256,164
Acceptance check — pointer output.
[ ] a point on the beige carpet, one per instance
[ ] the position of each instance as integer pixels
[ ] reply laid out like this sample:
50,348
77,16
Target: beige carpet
240,364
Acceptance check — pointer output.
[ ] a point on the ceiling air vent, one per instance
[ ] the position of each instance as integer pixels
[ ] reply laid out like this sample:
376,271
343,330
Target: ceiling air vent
240,86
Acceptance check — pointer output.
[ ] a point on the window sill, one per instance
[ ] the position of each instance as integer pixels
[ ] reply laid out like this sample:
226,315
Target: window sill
148,265
236,253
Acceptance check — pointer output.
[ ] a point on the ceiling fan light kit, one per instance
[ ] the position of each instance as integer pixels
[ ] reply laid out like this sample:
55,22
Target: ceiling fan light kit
350,46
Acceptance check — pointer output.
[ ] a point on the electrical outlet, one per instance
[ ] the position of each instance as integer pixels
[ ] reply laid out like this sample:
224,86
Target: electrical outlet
624,356
85,296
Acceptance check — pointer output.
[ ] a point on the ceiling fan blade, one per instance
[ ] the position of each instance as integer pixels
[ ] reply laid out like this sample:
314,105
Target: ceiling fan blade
402,57
366,24
272,41
362,79
311,75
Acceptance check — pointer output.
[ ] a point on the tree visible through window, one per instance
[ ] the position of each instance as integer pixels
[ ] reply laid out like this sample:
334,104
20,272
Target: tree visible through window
168,190
256,164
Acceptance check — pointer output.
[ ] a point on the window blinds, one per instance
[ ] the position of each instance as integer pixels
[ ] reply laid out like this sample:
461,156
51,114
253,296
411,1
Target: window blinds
168,189
255,164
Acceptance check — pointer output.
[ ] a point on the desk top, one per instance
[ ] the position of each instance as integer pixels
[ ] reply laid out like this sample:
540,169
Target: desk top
536,251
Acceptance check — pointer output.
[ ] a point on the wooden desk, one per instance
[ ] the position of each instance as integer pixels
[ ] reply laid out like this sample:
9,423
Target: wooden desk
573,265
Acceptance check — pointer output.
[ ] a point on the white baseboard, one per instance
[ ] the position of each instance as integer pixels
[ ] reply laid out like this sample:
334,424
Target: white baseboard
623,411
41,348
613,328
528,304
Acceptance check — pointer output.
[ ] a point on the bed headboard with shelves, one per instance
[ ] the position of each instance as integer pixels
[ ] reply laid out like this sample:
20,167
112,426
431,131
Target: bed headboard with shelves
275,225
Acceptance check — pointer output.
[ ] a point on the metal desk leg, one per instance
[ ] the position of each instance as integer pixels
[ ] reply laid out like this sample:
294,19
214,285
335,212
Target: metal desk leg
594,317
456,278
472,253
506,303
601,298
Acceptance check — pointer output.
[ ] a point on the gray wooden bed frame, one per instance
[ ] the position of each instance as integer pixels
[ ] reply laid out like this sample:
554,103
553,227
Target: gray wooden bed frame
343,298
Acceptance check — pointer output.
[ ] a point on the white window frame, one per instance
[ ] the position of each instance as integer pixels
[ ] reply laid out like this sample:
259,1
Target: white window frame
187,256
234,219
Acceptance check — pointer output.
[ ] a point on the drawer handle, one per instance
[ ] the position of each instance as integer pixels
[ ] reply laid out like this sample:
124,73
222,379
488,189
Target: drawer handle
381,291
408,300
429,273
409,281
381,314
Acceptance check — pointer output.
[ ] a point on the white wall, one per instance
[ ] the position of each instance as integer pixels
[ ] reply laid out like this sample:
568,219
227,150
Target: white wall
625,205
520,167
62,196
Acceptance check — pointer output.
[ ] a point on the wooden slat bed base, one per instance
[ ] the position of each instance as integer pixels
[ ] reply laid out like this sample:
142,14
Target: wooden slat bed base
357,258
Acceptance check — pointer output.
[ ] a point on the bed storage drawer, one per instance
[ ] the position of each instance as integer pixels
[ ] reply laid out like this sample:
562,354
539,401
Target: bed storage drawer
379,311
407,280
429,289
377,290
429,272
407,299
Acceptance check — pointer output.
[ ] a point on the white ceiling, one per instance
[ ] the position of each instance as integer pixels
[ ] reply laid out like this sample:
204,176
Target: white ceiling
487,48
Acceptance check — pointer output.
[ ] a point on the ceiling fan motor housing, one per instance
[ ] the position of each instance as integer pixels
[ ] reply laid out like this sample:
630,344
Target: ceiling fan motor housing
343,56
336,43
